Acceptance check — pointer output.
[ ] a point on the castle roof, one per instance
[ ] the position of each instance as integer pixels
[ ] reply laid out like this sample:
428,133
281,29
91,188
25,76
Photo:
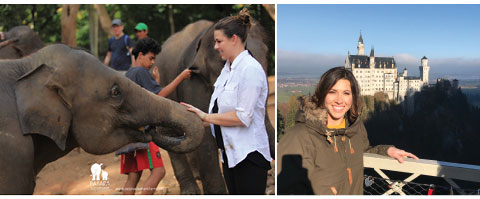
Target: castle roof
412,78
363,61
360,39
424,57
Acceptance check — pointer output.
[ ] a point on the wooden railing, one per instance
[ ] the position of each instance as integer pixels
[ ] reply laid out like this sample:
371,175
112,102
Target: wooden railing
445,170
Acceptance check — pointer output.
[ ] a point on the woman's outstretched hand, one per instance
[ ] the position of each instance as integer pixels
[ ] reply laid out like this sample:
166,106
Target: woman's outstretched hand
400,154
202,115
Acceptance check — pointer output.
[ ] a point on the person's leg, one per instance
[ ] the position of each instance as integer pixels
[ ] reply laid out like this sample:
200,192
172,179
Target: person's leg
152,160
131,184
229,179
250,178
128,165
152,181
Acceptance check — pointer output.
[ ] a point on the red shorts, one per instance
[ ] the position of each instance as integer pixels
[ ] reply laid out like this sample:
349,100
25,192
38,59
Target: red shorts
141,159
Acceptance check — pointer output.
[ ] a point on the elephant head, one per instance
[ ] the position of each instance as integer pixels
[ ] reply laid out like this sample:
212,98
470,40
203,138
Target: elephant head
206,64
68,92
18,42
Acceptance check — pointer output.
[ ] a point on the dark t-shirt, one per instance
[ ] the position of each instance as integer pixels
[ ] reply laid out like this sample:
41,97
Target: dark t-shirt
142,77
121,59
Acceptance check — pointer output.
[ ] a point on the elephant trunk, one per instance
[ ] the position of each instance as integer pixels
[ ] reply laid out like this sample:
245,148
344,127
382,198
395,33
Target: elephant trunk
167,114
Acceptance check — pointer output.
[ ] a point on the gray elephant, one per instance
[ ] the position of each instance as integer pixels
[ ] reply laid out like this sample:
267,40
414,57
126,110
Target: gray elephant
18,42
60,98
193,48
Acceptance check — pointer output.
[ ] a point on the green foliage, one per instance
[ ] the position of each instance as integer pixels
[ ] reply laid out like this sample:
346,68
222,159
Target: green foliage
280,125
156,17
83,27
368,107
437,123
292,111
42,18
46,21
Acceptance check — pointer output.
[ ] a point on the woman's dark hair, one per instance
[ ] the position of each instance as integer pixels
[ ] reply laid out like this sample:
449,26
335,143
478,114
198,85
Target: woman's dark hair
235,25
145,46
329,79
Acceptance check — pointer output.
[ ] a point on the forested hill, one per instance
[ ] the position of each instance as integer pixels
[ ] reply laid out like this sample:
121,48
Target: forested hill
437,123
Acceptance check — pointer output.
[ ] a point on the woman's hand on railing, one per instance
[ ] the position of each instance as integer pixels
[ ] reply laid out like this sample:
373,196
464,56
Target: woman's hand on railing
399,154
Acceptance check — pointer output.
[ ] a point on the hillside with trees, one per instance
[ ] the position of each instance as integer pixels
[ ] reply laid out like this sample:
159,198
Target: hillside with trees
437,123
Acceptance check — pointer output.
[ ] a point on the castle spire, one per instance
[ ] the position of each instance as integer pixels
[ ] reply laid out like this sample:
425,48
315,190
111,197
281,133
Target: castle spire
360,46
360,39
372,54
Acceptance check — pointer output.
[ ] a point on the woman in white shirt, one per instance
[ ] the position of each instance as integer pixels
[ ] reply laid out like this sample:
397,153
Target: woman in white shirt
237,110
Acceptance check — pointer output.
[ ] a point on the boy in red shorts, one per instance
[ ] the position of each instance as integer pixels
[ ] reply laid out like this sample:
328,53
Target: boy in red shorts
134,163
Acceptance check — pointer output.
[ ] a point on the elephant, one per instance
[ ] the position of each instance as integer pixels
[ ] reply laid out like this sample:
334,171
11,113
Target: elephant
96,169
104,175
60,98
18,42
192,48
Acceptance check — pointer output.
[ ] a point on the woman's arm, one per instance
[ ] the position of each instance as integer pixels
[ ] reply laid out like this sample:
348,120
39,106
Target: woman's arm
386,150
221,119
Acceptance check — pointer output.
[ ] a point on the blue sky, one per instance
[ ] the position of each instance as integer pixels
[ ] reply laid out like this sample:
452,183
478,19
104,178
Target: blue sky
321,35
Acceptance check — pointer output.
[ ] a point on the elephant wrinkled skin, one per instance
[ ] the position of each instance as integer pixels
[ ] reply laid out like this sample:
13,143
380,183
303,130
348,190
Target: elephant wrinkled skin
192,48
59,98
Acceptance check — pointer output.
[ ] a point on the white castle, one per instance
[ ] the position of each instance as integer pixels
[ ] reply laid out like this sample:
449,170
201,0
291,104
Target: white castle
379,74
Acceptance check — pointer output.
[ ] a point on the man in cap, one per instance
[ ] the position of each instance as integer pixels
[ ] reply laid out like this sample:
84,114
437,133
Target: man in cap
141,30
119,48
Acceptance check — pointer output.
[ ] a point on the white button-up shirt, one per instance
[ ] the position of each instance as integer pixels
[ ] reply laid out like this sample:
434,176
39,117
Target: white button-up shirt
242,87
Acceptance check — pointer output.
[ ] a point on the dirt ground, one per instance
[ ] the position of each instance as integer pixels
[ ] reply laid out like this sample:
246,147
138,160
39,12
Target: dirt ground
71,173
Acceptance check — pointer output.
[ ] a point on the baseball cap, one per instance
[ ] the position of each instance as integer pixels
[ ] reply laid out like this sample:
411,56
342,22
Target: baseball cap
141,26
117,22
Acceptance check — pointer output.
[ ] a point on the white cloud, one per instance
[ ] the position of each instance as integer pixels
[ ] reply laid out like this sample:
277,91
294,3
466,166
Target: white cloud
315,64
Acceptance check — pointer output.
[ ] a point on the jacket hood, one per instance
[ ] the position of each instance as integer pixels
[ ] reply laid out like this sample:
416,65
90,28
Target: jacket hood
315,118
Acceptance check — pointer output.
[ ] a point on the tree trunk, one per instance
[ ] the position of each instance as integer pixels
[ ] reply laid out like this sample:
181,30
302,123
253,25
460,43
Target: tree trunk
170,19
105,20
69,24
270,9
93,30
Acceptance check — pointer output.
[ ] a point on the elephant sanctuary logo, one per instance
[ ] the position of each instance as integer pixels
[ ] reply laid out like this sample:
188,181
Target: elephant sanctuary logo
99,177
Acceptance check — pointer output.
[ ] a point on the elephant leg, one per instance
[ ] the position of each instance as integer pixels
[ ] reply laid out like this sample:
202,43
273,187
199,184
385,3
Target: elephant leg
193,160
183,173
17,175
208,165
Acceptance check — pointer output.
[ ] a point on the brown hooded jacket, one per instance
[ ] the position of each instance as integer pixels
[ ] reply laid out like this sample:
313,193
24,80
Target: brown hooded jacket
317,160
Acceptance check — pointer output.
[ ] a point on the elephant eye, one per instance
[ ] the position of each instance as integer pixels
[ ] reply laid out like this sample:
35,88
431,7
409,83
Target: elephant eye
115,92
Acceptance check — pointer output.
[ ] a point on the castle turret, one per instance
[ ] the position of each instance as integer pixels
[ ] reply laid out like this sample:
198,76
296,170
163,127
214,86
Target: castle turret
372,58
360,47
405,72
424,69
348,65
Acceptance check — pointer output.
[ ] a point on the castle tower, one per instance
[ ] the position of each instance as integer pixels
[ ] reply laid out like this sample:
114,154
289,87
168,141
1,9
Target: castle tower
372,58
360,47
424,69
348,65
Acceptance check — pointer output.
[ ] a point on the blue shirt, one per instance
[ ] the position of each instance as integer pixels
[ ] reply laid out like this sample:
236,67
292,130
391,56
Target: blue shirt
142,77
121,59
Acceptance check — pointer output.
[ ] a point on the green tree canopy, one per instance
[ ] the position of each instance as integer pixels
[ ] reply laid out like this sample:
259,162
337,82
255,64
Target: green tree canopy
45,20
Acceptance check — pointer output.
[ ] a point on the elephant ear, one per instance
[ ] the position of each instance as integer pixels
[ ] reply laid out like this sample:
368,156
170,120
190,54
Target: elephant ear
42,106
190,53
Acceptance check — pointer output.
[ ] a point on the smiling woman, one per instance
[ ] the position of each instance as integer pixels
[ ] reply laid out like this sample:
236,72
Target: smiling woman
323,152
